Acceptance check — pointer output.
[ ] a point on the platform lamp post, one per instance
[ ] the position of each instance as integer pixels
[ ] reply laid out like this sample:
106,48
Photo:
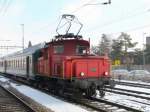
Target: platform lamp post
143,51
22,25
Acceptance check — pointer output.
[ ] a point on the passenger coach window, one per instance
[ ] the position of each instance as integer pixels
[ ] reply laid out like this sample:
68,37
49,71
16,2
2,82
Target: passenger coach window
58,49
81,49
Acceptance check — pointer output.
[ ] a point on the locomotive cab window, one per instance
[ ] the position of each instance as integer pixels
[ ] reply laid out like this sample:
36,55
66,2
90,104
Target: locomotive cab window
58,49
81,49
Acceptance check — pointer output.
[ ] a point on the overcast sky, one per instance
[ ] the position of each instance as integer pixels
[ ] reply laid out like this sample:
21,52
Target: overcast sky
40,18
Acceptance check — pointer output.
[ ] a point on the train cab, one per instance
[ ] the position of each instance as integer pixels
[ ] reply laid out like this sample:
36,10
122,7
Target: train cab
67,59
75,46
57,50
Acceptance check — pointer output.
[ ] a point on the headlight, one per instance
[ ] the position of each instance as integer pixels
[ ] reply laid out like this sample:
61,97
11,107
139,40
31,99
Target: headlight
82,74
106,73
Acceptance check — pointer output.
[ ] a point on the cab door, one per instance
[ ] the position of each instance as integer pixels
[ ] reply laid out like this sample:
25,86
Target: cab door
5,66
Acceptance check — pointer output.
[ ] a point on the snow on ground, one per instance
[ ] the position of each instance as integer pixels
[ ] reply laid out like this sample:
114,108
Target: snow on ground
141,104
61,106
3,79
133,88
50,102
136,82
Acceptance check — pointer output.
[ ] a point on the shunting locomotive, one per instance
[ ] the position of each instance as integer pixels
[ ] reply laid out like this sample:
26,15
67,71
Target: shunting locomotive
65,63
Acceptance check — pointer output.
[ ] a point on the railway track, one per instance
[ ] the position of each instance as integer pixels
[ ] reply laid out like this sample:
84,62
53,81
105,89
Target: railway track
136,94
104,105
133,84
9,102
132,91
95,104
92,103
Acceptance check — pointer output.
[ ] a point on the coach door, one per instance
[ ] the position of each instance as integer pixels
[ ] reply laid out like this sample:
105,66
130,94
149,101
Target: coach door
27,66
5,66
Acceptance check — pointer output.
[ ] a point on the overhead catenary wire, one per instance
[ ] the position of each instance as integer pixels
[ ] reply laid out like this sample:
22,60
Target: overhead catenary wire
5,40
3,5
99,3
7,7
127,17
78,8
128,30
89,3
10,47
117,20
45,27
86,4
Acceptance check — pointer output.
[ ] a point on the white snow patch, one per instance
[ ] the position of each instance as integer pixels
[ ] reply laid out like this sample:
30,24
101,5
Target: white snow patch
46,100
133,88
136,82
3,79
129,101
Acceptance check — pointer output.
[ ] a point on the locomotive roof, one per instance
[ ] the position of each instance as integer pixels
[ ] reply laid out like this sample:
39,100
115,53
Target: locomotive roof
27,51
67,40
70,37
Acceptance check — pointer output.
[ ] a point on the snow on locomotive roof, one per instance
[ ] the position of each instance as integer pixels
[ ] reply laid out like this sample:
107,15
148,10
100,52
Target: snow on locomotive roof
27,51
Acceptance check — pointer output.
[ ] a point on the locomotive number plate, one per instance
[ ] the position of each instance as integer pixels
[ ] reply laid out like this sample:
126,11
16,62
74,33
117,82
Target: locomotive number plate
93,69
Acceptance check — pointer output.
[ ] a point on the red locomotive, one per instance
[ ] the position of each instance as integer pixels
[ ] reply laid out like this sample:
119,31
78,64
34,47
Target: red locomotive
63,64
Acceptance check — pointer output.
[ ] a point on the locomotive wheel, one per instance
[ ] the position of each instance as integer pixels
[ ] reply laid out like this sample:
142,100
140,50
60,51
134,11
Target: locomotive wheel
61,91
91,91
34,85
88,93
101,93
112,83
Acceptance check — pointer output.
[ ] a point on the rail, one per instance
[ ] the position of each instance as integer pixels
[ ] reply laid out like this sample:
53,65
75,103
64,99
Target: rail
133,84
91,103
28,107
115,104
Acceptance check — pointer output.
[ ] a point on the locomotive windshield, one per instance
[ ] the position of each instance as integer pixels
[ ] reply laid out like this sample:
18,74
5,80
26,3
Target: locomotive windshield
81,50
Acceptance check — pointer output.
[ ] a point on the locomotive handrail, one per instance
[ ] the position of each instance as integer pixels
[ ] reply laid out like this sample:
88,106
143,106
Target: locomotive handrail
71,71
63,68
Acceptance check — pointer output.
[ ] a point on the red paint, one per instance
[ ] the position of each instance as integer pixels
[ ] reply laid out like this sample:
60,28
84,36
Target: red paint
69,64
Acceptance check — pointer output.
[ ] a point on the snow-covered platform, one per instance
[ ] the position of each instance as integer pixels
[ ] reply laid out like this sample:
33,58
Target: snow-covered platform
50,102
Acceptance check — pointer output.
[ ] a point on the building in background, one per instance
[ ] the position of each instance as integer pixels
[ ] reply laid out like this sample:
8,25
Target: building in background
148,41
